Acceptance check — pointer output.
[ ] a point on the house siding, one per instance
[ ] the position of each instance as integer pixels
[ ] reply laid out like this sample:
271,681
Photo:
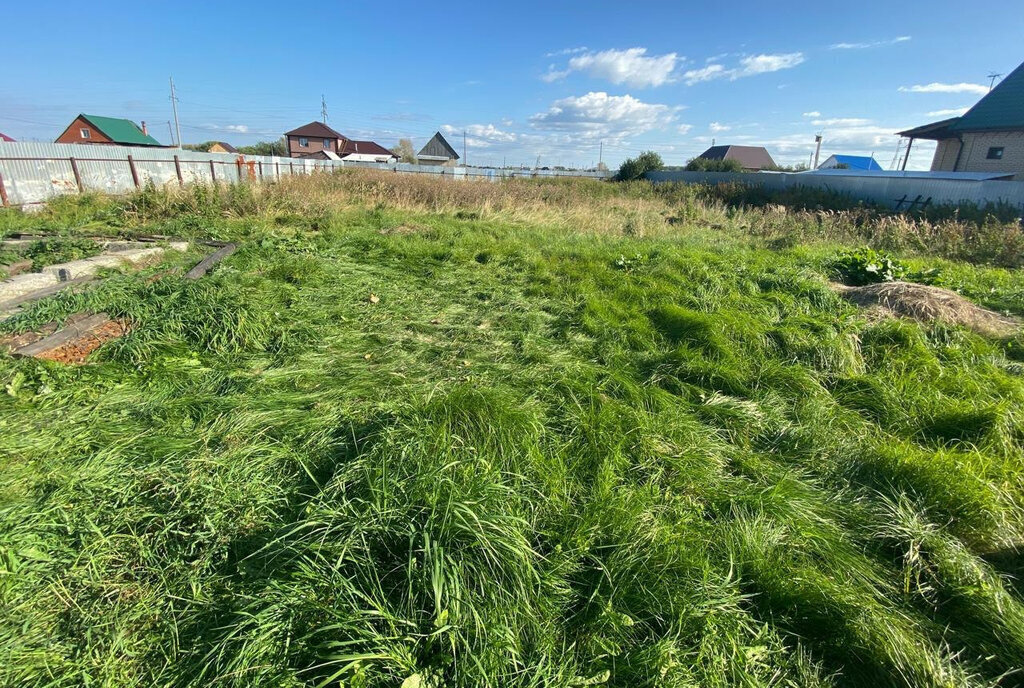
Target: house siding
316,144
975,152
73,134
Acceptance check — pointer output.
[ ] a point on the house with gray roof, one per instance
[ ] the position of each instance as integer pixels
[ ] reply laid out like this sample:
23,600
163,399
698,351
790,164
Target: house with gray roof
751,158
437,152
987,138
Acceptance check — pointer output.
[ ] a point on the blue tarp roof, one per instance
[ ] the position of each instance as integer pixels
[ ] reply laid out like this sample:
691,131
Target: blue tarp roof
857,162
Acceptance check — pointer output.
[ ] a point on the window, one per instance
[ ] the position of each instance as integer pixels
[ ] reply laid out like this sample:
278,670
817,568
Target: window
327,144
995,153
85,133
303,142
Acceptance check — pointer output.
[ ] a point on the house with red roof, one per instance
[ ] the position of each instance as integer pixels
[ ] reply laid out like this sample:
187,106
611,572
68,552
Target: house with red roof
6,138
317,140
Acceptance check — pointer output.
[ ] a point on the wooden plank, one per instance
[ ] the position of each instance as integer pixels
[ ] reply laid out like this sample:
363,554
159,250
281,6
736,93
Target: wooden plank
204,266
42,293
61,337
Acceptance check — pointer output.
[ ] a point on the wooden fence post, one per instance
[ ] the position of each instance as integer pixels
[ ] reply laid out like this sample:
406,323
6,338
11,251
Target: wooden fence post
177,170
135,172
260,163
213,172
277,170
3,193
78,177
291,166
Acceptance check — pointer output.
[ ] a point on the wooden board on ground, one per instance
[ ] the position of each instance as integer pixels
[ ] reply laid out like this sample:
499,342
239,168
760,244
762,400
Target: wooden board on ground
204,266
76,340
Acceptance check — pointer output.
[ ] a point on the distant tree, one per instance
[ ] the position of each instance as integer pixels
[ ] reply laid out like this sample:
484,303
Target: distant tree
706,165
405,151
199,147
635,168
278,147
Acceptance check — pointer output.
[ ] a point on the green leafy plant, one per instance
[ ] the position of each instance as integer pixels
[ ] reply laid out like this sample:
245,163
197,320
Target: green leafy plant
636,168
866,266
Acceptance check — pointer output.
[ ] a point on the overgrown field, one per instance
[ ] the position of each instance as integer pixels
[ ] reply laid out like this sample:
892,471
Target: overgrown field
421,433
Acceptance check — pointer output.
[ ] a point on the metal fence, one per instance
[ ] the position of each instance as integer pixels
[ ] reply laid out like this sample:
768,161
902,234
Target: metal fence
899,193
32,173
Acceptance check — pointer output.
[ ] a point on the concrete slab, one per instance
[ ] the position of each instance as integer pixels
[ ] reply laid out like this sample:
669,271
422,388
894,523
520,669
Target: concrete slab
90,266
27,282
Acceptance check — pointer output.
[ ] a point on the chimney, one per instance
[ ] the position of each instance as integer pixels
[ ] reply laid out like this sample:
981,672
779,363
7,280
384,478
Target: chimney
144,129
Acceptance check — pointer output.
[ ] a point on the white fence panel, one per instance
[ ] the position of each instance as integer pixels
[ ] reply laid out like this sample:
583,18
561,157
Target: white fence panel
893,192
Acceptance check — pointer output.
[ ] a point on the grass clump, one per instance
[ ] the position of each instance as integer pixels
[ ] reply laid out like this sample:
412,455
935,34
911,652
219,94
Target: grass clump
547,452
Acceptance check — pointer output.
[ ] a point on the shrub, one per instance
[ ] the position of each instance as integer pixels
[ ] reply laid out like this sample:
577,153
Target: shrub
636,168
706,165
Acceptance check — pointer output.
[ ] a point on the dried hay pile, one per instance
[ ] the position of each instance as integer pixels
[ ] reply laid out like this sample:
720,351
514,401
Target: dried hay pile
927,304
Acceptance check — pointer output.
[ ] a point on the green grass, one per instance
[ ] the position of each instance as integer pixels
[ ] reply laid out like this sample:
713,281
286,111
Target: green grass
545,456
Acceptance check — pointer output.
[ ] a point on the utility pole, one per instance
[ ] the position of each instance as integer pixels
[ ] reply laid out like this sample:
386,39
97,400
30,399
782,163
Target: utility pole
817,150
323,108
170,132
992,76
600,156
174,106
465,160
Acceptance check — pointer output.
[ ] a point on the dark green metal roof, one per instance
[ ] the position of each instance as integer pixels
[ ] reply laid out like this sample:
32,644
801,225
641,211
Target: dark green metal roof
1002,108
121,130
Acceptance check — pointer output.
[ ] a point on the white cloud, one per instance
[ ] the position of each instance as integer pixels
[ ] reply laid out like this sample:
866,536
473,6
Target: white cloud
750,65
812,113
684,129
566,51
716,127
869,44
936,87
841,122
233,128
951,112
598,115
553,74
763,64
712,71
631,67
484,135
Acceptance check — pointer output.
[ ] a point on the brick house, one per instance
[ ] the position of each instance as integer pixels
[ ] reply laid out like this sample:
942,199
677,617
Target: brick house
314,137
111,131
987,138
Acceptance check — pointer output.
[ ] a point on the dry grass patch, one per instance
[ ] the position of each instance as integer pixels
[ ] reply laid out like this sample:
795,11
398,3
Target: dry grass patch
927,304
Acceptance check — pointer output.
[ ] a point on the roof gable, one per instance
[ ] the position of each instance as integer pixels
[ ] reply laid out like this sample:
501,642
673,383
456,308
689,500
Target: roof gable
750,157
315,130
1001,108
437,146
120,130
5,137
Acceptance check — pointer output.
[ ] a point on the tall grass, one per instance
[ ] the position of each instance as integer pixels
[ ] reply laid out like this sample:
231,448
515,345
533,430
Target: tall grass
553,451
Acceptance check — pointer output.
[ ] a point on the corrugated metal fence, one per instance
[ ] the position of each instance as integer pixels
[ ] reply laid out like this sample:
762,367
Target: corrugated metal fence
894,192
34,172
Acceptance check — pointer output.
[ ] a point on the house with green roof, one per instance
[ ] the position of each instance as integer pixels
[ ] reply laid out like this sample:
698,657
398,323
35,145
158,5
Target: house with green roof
106,130
987,138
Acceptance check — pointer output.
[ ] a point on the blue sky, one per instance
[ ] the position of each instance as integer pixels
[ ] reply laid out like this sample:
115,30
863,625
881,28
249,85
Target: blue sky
553,79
